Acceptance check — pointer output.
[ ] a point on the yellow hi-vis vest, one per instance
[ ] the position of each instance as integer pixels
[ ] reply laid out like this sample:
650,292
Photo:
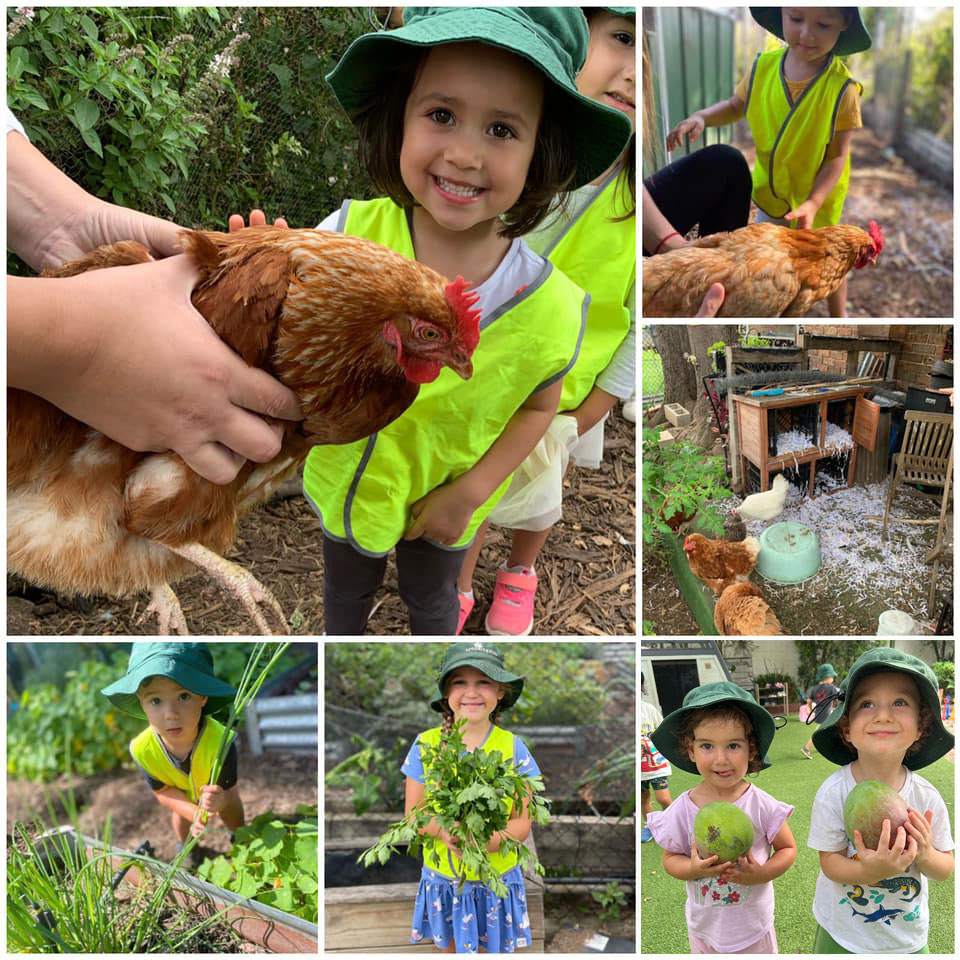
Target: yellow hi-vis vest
449,865
149,753
363,491
599,254
792,138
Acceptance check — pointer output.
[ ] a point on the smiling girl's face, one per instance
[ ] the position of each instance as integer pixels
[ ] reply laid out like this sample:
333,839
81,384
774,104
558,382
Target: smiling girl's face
609,75
883,720
812,32
172,711
472,695
721,752
469,132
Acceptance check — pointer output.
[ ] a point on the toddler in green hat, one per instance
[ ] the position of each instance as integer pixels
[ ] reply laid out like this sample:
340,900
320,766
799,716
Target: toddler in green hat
802,106
470,125
172,686
889,726
820,701
473,685
722,734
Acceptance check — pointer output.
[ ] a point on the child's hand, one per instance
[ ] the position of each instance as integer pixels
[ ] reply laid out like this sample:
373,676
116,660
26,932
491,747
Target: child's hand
442,515
804,214
197,829
452,842
708,867
692,126
919,828
712,301
885,861
257,219
212,799
747,872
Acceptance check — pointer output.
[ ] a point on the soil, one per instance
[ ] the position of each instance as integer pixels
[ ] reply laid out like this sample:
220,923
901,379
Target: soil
571,921
587,570
914,275
276,782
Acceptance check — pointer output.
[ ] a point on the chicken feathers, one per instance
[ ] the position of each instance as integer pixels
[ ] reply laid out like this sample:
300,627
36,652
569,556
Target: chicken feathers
719,563
351,327
766,270
741,611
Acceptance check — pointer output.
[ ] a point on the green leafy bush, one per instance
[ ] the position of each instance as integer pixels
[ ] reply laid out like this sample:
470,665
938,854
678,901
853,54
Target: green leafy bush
611,898
560,687
274,862
374,775
678,480
944,672
54,731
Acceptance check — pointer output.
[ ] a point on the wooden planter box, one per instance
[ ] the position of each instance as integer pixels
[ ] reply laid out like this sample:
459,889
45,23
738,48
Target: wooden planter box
376,918
276,931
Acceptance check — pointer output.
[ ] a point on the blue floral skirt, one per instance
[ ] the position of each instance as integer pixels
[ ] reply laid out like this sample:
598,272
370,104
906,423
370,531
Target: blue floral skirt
475,918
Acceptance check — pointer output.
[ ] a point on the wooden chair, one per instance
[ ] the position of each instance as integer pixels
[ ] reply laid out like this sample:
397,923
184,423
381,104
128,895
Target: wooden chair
926,457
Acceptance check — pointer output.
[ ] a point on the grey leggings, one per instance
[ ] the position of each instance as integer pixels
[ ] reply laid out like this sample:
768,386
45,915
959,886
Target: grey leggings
427,578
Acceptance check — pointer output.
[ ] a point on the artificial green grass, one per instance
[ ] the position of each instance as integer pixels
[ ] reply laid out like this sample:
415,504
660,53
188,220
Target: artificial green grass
793,779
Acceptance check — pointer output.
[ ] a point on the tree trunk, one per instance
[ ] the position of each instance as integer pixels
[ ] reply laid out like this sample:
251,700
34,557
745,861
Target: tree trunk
672,343
701,338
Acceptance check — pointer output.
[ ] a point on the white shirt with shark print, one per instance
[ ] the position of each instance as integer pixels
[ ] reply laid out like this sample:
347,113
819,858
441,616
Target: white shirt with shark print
892,917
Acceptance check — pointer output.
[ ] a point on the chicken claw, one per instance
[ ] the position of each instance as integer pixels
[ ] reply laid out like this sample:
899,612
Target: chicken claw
239,582
165,606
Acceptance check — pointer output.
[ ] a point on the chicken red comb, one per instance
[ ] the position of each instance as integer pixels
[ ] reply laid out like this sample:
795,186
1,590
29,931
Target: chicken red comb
876,235
462,300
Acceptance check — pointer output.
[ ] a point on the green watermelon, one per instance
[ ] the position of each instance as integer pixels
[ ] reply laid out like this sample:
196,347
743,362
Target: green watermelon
723,829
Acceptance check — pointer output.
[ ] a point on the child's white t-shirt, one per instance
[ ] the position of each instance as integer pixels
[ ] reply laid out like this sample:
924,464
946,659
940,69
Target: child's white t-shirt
892,917
519,268
729,916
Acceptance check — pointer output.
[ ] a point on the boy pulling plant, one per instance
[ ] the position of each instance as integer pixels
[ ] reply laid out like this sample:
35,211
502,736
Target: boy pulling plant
173,687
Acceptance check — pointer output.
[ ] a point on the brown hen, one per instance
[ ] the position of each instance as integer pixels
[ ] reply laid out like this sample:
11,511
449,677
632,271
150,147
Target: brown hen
719,563
741,611
766,270
350,326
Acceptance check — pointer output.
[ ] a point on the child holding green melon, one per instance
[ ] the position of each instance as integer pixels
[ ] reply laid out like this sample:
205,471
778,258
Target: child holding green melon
875,901
722,734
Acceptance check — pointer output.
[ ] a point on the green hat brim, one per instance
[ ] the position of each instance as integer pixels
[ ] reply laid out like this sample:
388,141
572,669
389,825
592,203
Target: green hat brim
709,695
488,665
601,133
854,39
828,740
123,693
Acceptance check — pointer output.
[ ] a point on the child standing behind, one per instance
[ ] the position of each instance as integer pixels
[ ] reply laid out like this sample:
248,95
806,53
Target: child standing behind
819,701
172,686
470,121
802,106
593,241
722,734
889,727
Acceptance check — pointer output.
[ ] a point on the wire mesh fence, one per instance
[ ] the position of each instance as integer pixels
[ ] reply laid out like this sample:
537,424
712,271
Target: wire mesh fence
652,369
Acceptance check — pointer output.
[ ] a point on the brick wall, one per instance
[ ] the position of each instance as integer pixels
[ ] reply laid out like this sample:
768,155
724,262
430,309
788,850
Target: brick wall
921,345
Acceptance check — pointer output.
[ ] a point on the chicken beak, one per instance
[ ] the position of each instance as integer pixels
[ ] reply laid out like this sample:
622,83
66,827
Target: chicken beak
461,365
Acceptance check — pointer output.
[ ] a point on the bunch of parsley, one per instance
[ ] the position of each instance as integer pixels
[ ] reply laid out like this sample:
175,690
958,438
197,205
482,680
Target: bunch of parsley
464,792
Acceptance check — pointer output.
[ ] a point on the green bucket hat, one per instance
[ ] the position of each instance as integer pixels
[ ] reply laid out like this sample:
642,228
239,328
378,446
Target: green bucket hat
830,743
854,39
623,11
825,670
709,695
187,664
552,39
486,658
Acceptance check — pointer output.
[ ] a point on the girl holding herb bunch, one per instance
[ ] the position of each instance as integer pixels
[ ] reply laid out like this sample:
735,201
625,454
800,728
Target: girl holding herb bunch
460,913
172,686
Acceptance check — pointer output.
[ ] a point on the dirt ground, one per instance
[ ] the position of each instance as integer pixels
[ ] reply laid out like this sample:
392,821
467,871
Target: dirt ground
587,572
860,575
914,275
275,782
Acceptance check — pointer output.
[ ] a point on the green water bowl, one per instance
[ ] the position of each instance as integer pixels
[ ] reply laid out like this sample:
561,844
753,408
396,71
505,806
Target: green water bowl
789,553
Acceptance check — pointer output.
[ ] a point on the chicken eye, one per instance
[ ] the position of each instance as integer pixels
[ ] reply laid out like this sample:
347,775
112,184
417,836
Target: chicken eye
429,333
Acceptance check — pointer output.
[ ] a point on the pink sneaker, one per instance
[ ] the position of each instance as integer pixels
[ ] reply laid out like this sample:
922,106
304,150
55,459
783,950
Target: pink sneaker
466,608
511,612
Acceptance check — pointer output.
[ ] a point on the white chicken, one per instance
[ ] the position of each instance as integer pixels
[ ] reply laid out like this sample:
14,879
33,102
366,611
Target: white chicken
766,505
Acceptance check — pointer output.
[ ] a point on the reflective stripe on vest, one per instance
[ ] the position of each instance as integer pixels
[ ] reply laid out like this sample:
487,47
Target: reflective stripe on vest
599,254
498,739
149,753
363,491
792,139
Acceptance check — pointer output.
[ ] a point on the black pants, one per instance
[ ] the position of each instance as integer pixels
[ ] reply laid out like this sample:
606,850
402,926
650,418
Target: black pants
711,187
427,577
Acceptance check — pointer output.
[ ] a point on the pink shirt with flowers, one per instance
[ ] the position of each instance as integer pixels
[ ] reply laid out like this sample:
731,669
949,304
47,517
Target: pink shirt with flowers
728,916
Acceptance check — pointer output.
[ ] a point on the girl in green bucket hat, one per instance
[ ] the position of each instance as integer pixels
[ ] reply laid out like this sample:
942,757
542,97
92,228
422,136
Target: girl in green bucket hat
473,685
722,734
887,728
172,686
470,125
